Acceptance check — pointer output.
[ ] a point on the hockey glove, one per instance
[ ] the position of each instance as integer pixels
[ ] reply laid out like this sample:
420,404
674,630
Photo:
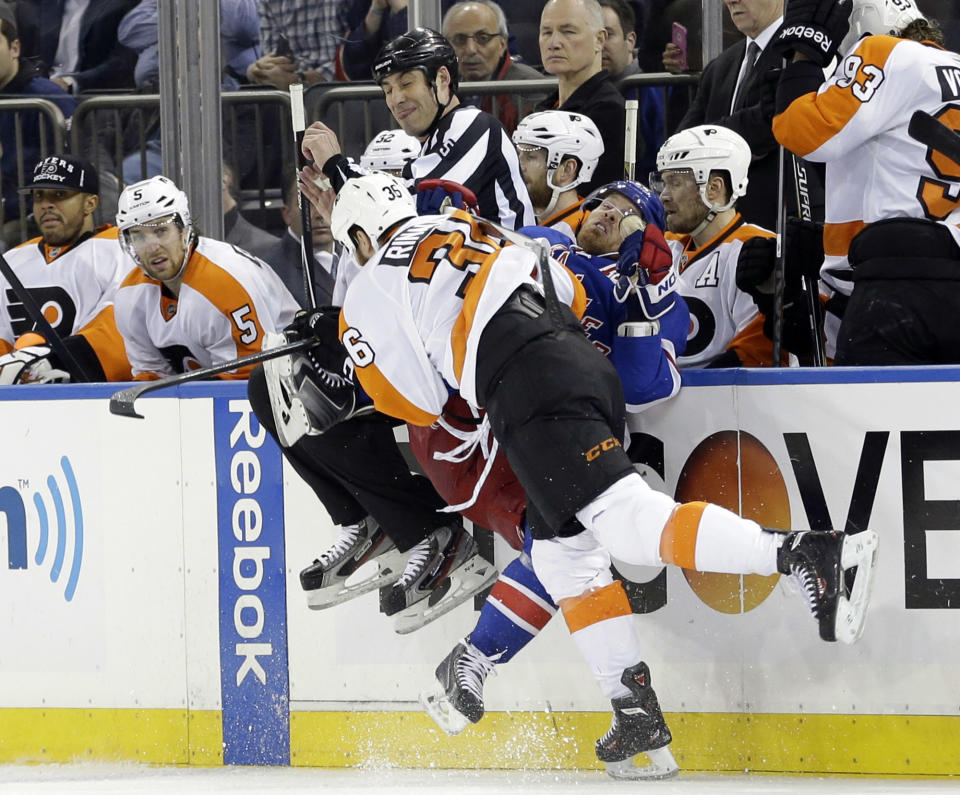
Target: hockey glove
30,365
813,28
323,325
434,196
755,266
645,269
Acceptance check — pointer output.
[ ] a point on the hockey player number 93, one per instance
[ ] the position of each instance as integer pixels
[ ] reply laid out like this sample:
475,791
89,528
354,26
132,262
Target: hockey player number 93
940,197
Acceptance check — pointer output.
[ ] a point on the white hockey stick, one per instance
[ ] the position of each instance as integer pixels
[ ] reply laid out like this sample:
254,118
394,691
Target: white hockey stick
298,120
631,108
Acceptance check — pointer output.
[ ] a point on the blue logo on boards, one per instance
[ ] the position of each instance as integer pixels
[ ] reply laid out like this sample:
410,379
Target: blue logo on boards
14,509
254,681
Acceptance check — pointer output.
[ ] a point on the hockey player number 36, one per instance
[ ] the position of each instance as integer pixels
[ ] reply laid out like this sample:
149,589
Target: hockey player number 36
940,197
359,349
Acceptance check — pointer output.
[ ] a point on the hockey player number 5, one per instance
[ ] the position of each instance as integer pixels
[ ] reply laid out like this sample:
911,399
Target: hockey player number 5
940,197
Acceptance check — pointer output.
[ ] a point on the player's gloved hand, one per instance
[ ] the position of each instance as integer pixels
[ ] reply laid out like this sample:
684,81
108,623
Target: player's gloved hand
813,28
645,269
755,266
436,195
762,93
322,325
30,365
804,249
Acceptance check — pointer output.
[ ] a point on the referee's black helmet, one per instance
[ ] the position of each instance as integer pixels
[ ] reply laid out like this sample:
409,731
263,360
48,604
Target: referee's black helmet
420,48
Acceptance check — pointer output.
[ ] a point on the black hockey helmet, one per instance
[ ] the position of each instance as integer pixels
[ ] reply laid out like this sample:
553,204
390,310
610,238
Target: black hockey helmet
420,48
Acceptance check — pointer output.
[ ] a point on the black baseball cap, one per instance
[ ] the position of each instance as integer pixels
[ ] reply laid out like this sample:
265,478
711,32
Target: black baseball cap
64,171
7,15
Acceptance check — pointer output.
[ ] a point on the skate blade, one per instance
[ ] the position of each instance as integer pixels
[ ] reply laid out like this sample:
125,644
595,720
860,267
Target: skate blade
662,765
389,567
436,704
462,583
860,550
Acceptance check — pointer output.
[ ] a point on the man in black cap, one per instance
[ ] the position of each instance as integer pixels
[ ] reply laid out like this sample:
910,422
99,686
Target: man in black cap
21,77
72,270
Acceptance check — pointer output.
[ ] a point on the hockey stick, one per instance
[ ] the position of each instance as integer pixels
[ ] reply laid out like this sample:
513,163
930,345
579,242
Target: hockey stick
810,288
41,324
122,402
309,260
779,265
631,108
934,133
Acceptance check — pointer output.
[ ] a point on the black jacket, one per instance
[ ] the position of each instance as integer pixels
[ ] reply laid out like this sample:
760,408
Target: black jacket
599,99
753,121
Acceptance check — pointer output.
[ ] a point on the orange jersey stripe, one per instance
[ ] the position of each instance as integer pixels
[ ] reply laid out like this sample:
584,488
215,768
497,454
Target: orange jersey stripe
813,119
752,346
678,542
837,237
592,608
107,343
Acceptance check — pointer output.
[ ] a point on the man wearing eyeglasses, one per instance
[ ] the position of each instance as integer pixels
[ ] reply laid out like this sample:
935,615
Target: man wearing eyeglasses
477,29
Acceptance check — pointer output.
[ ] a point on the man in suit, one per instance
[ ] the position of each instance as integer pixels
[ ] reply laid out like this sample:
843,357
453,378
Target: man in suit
284,254
78,42
737,91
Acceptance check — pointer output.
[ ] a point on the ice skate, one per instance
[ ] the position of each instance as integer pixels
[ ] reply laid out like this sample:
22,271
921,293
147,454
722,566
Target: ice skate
328,581
457,699
442,571
834,573
638,727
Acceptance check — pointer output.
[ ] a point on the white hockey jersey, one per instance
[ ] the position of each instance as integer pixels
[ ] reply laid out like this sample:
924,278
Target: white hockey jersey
412,318
228,300
857,123
722,317
75,287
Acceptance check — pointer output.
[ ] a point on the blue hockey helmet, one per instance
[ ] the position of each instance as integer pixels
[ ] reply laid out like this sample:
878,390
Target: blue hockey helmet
645,199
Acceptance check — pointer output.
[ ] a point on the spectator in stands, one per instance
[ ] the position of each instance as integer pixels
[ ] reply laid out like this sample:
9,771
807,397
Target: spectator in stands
737,91
619,59
477,29
572,35
301,40
237,229
239,36
284,254
73,270
78,42
20,77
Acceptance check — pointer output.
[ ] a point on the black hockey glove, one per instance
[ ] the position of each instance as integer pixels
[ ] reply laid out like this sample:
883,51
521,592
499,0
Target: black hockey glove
813,28
804,250
755,266
323,325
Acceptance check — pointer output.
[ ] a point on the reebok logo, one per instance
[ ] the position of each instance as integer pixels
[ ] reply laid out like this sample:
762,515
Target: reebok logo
805,33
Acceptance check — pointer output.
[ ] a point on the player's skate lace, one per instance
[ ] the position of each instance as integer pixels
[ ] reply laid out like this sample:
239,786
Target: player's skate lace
808,585
348,536
473,667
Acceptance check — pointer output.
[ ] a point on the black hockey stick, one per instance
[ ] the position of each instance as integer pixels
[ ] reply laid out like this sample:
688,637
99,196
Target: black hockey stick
41,324
122,402
309,260
933,133
779,266
810,286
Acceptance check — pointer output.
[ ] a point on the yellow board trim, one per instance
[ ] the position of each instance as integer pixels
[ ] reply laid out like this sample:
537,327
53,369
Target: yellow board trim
871,745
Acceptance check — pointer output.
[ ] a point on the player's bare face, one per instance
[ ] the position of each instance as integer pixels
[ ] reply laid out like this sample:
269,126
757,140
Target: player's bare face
681,199
752,17
411,101
601,233
159,246
533,167
60,214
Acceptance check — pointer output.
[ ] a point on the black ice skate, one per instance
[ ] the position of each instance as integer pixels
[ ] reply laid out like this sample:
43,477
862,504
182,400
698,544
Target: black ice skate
638,727
328,581
457,699
819,564
442,571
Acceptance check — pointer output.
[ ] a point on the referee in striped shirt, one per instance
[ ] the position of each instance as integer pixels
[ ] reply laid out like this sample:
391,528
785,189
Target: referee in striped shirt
418,74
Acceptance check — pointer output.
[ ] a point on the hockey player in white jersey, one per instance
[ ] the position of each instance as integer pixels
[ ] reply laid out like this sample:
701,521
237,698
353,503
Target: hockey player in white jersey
702,172
558,151
892,225
390,151
191,301
73,271
443,303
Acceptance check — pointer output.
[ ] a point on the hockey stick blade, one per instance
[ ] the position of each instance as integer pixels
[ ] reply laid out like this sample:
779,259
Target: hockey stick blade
933,133
121,403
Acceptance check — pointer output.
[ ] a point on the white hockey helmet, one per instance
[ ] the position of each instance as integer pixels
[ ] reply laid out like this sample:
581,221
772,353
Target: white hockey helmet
562,134
374,203
142,203
703,149
878,17
390,151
